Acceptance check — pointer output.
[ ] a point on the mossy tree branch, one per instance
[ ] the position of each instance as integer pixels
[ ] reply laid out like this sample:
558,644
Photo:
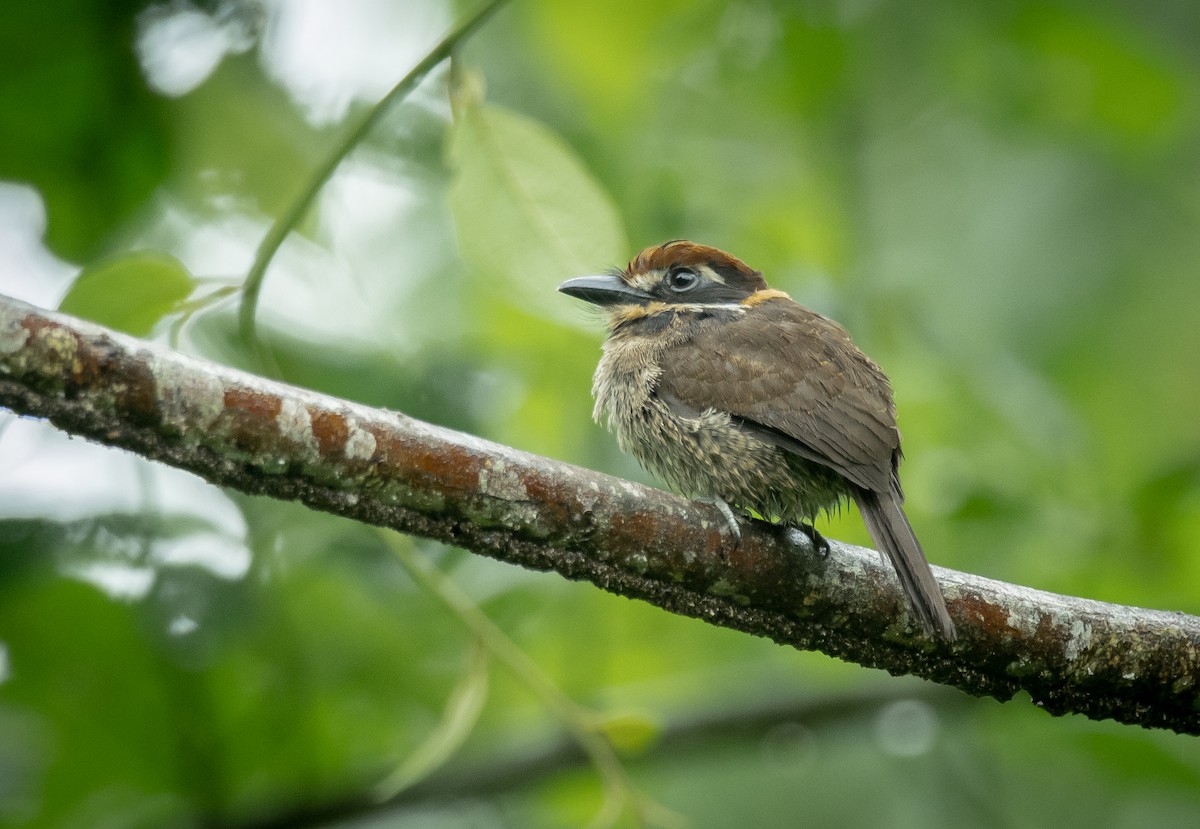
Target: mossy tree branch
262,437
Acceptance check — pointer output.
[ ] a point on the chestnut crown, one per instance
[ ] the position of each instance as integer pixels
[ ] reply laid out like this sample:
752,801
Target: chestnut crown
676,272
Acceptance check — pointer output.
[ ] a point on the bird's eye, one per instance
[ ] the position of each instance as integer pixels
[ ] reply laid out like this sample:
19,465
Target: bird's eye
682,280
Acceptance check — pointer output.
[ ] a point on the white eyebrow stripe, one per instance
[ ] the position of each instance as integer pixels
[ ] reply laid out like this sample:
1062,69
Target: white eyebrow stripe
709,273
708,306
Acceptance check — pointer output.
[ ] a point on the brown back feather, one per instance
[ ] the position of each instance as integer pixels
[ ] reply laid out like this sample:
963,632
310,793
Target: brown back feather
804,380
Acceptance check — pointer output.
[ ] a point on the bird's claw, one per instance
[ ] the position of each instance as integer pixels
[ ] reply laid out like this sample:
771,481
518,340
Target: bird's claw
730,518
819,542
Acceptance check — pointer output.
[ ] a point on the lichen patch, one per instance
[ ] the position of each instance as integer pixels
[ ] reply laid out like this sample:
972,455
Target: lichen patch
499,481
187,398
295,425
13,335
360,444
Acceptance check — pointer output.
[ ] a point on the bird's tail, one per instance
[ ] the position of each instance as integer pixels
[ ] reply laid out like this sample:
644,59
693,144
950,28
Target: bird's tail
889,527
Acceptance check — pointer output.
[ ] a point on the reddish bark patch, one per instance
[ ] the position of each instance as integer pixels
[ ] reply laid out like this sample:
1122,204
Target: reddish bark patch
137,393
250,418
995,617
331,433
257,405
444,466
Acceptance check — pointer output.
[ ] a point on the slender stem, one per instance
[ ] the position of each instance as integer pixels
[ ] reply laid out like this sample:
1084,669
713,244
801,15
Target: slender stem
617,788
293,215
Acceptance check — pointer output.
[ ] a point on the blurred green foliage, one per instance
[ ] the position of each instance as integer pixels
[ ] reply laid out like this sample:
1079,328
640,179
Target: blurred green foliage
1001,201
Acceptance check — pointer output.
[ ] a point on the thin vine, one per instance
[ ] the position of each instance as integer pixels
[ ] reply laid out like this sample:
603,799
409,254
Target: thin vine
291,218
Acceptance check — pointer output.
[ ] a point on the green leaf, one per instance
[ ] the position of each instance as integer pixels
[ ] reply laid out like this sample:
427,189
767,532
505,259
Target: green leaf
130,293
527,211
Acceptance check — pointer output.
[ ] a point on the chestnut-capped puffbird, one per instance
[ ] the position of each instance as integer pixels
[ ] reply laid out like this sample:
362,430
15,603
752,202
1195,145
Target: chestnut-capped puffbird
728,389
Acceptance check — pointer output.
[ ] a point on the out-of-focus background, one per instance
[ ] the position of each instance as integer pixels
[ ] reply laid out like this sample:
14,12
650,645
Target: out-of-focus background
1000,200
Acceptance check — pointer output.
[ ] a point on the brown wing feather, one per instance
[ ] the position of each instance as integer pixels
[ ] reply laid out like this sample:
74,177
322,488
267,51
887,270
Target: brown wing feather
786,370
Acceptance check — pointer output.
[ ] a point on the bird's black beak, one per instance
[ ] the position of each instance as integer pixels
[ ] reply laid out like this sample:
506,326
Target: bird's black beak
604,290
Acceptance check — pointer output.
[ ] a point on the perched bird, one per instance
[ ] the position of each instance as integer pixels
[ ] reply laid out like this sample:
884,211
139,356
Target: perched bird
728,389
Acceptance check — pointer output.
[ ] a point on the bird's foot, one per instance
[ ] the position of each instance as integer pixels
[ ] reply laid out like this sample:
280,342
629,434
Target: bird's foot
730,517
819,542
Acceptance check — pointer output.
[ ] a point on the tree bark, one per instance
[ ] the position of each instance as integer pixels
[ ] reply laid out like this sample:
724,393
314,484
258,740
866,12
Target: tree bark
1070,654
